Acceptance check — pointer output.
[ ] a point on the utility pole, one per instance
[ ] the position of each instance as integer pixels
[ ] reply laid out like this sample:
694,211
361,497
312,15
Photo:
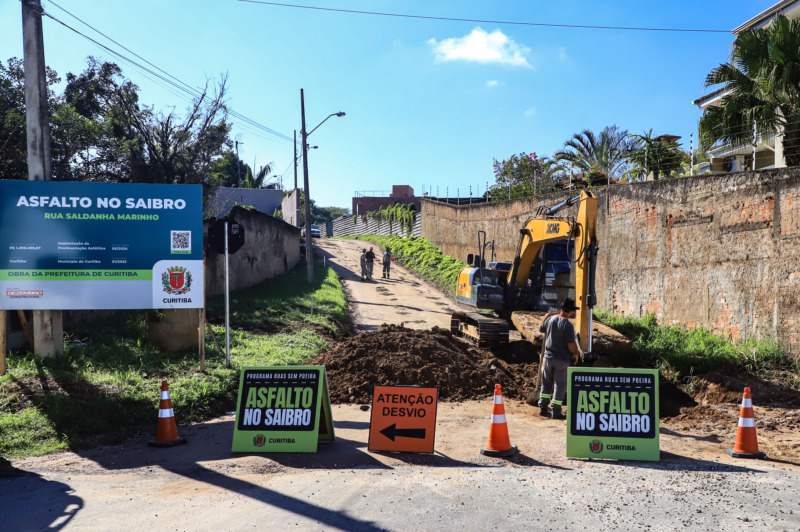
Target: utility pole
238,166
309,242
296,191
48,325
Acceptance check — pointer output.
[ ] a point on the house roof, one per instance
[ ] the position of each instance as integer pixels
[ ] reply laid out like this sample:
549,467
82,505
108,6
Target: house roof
790,8
706,100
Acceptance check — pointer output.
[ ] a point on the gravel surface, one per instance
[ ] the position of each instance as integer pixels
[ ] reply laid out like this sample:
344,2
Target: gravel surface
203,486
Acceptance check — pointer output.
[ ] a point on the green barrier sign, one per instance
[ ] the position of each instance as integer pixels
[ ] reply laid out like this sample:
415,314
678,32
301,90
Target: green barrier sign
613,413
282,409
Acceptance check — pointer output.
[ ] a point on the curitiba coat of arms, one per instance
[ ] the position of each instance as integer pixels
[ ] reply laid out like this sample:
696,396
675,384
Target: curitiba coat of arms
176,280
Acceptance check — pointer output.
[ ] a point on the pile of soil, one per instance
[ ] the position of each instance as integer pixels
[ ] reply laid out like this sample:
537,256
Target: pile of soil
395,355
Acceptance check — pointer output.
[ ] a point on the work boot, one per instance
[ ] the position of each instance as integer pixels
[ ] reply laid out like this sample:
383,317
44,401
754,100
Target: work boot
557,414
543,407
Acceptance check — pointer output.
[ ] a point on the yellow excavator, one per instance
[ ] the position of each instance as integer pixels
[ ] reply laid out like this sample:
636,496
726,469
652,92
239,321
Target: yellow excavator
556,258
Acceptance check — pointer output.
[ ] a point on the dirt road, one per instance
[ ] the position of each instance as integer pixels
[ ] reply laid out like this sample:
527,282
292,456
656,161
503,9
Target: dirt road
203,486
401,299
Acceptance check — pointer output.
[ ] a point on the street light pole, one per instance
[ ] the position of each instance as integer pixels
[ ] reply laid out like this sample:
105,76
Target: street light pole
304,139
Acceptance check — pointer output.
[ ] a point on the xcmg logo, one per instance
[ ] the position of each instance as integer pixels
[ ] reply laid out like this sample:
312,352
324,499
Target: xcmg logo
553,228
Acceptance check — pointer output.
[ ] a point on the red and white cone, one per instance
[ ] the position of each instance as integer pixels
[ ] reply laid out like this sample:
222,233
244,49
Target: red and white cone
167,430
746,445
499,443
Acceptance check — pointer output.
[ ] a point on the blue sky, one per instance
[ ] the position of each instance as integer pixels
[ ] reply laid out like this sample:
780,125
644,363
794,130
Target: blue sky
429,103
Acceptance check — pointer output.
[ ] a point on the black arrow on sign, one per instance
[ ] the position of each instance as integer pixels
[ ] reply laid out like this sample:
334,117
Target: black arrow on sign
392,431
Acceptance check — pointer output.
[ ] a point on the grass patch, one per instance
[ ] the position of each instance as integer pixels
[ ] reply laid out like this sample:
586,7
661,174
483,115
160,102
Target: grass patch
422,258
109,389
683,354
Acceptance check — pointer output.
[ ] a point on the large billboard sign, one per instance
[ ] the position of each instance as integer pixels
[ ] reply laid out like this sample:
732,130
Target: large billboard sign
70,246
613,413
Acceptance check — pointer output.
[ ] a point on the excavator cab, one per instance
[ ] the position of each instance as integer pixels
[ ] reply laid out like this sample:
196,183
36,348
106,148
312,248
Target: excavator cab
480,286
552,277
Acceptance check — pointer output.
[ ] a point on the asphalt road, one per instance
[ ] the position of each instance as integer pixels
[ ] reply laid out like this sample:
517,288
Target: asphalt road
203,486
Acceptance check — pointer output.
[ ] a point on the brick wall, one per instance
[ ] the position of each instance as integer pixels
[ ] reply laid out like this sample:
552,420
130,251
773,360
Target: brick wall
718,251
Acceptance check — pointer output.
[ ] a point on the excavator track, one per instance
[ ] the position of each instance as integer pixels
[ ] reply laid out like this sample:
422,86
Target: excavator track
481,330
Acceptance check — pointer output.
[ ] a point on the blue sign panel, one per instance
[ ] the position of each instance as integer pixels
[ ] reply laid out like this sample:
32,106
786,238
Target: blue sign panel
68,245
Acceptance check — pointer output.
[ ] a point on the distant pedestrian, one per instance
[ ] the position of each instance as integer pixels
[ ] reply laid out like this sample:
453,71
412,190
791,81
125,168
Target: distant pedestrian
387,261
559,349
370,256
364,264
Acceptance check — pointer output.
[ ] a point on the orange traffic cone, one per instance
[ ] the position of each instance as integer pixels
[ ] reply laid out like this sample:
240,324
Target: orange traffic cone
499,444
746,445
167,431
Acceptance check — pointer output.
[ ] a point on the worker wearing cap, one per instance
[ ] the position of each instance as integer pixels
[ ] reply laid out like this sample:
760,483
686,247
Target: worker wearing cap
559,348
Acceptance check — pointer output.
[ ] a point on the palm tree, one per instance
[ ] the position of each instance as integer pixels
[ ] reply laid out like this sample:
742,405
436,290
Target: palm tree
762,82
656,155
605,153
260,178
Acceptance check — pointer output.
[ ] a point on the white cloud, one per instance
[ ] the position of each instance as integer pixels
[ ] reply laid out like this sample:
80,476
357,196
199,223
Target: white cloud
482,47
530,111
492,83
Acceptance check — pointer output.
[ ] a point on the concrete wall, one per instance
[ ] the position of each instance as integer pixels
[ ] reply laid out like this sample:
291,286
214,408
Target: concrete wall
272,247
291,208
713,251
265,200
454,228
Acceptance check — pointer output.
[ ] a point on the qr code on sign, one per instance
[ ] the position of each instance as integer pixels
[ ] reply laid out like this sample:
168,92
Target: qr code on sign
181,241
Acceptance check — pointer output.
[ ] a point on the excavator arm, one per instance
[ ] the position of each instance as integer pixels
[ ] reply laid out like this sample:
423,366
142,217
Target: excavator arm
479,289
547,227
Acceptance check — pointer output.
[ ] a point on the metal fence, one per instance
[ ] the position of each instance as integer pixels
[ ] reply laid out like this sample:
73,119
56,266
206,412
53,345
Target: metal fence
350,226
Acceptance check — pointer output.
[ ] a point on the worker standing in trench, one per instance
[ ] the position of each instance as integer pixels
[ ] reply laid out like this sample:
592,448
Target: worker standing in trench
559,348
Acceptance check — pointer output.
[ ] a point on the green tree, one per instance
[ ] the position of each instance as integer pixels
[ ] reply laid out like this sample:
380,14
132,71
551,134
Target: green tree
659,156
13,150
157,147
319,215
762,90
605,153
520,176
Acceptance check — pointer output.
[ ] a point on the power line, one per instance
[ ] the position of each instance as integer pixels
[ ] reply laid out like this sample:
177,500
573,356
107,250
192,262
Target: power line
501,22
166,77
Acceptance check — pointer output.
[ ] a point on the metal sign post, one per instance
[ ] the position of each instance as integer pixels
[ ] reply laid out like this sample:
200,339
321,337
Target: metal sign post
227,305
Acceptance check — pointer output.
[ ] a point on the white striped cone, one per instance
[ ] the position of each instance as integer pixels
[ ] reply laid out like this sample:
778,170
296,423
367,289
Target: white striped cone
167,430
499,442
746,445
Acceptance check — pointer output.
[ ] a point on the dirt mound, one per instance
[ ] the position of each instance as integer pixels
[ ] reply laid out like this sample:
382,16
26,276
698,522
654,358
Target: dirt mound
726,386
395,355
